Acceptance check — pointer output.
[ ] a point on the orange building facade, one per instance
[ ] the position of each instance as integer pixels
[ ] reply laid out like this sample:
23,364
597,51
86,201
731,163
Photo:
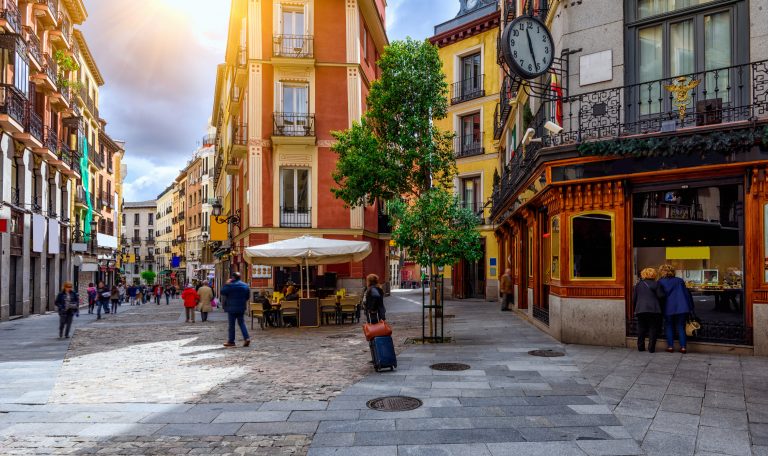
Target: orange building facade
295,71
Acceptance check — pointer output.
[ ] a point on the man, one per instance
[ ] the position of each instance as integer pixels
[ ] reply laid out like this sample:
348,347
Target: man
507,290
237,296
190,298
132,291
205,294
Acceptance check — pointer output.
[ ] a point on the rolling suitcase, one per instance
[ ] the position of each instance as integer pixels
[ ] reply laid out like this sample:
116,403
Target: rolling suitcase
383,353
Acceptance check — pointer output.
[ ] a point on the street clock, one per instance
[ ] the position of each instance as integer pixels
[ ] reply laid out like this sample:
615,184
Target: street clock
527,47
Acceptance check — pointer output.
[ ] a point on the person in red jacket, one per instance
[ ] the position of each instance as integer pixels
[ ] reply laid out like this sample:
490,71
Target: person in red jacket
190,298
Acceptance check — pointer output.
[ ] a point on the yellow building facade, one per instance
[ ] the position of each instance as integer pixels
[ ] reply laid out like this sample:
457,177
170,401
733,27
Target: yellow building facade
467,49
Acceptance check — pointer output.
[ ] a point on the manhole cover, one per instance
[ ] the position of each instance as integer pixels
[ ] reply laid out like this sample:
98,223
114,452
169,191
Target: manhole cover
546,353
394,403
450,367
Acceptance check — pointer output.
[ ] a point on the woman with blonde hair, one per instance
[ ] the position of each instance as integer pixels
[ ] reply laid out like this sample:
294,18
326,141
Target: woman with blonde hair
678,305
647,300
68,304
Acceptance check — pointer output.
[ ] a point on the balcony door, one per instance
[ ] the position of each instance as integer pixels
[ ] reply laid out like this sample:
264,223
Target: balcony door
295,211
292,41
472,194
470,75
294,104
469,134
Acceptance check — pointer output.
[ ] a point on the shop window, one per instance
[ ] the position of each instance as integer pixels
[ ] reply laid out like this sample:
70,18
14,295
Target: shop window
592,246
529,250
765,241
554,239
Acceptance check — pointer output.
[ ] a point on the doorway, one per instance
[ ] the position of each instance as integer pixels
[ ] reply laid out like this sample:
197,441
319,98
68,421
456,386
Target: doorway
470,283
698,228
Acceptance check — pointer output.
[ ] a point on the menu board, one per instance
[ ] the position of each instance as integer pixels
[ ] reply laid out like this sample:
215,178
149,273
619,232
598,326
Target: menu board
309,312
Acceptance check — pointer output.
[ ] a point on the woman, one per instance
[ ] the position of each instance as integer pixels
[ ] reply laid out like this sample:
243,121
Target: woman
121,291
92,295
115,298
678,305
68,304
104,293
373,300
205,296
646,300
190,298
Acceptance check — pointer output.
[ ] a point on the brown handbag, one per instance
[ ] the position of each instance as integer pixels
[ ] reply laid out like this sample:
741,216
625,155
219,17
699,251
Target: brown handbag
379,329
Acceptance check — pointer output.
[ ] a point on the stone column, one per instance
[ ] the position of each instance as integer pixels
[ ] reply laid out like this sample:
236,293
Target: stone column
6,160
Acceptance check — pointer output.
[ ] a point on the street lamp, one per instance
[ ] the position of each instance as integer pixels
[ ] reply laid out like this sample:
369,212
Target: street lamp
216,212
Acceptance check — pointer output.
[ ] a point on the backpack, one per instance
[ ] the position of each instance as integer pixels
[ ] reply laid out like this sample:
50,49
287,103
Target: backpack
91,294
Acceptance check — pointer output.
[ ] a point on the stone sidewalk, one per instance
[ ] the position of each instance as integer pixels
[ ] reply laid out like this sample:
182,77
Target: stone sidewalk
683,404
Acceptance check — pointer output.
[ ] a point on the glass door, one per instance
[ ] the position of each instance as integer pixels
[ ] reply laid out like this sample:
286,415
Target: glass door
295,107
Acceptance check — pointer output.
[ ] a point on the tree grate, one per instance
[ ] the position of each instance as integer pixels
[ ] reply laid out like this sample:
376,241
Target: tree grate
450,367
394,403
546,353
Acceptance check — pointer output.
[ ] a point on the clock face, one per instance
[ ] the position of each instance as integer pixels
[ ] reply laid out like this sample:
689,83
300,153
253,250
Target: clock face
528,47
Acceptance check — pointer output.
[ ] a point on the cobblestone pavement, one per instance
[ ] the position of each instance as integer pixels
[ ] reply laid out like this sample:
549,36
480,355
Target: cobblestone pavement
683,404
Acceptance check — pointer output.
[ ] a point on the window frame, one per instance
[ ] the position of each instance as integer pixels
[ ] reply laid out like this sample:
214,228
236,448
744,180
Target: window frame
295,188
571,218
555,234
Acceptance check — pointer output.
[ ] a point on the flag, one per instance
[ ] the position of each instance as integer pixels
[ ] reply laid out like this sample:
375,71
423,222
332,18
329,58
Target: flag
558,104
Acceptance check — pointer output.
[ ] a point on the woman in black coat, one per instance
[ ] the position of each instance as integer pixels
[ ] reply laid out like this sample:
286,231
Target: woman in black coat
68,304
647,298
374,300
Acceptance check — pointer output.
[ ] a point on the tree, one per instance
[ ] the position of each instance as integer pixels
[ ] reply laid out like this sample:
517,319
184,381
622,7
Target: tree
148,276
396,154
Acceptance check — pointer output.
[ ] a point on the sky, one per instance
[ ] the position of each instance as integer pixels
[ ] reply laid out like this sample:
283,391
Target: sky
159,58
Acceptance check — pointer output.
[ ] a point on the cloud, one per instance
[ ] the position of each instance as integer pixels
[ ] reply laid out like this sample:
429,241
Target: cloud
146,178
417,18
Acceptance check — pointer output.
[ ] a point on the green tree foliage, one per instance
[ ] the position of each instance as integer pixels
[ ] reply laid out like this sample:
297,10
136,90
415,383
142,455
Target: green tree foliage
397,154
148,276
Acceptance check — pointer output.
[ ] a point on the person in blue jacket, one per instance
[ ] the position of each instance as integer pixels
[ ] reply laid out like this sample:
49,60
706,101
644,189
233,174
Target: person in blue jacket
678,305
237,296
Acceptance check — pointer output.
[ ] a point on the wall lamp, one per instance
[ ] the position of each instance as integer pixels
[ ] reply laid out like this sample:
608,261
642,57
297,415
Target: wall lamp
216,212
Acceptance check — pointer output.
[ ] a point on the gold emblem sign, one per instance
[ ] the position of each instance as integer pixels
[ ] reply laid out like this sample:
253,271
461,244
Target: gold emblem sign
682,88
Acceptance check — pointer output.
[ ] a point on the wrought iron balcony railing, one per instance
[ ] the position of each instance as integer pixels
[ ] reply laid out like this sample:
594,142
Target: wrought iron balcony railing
293,124
468,89
468,146
712,97
51,140
295,217
33,44
50,68
51,6
13,103
10,13
294,46
34,123
477,208
80,195
15,196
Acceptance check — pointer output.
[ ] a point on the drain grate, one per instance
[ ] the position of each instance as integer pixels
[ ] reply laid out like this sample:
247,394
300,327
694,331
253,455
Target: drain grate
546,353
450,367
394,403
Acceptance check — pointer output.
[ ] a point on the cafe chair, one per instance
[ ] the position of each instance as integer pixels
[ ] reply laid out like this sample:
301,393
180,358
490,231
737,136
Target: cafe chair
328,309
257,312
349,309
290,309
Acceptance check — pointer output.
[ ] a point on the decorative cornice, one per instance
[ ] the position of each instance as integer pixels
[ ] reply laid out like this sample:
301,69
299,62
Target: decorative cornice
88,57
467,30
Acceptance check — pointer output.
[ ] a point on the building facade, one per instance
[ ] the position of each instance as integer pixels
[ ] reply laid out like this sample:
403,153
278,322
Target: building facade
467,49
291,76
164,233
139,227
199,196
648,145
178,243
51,146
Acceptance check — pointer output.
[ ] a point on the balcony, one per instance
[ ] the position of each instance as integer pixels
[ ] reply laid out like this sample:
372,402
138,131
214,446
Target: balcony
48,75
468,89
510,10
239,147
136,240
34,50
13,108
81,196
722,98
507,93
477,208
293,46
61,98
33,129
63,33
51,141
149,259
10,18
293,124
468,146
181,216
46,11
167,250
295,217
15,196
232,167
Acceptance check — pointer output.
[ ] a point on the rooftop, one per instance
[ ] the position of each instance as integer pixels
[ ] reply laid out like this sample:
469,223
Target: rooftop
138,204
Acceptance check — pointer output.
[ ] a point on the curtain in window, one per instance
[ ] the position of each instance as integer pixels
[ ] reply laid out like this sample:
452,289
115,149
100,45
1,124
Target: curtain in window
717,54
681,48
650,68
646,8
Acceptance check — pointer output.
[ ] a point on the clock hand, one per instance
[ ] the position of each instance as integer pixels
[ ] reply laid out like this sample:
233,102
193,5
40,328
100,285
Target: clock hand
530,46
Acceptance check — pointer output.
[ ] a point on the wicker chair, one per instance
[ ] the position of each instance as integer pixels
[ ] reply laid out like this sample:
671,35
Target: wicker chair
349,309
328,309
257,312
289,309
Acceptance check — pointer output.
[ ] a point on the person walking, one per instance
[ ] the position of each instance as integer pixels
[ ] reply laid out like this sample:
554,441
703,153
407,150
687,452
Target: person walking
206,296
237,296
647,298
678,305
92,295
121,292
167,292
68,304
104,293
373,300
507,291
115,298
157,291
190,298
132,291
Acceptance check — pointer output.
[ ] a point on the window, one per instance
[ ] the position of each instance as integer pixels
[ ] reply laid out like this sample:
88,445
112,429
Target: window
592,246
123,218
294,197
294,103
705,40
472,194
471,80
150,219
554,237
136,219
470,137
136,235
293,22
365,42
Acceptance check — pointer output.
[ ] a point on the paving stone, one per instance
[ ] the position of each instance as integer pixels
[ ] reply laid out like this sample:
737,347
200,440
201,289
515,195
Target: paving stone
658,443
253,417
324,415
333,439
676,423
434,437
564,433
279,428
724,418
389,450
759,433
115,429
535,449
681,404
727,441
609,447
597,409
194,429
187,417
444,450
724,400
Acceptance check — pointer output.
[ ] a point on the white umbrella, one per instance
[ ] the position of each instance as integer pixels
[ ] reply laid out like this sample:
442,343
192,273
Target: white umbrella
309,251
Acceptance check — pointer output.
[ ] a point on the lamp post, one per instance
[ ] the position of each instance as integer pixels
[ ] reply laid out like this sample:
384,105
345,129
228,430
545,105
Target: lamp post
233,219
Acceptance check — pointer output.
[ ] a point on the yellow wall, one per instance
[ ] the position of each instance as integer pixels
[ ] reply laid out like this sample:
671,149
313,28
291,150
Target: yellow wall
483,165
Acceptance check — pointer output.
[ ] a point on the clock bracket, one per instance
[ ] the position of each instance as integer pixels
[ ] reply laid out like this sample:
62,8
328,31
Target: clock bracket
541,87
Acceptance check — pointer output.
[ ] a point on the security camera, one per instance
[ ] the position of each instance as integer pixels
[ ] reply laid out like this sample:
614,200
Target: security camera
528,136
553,127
